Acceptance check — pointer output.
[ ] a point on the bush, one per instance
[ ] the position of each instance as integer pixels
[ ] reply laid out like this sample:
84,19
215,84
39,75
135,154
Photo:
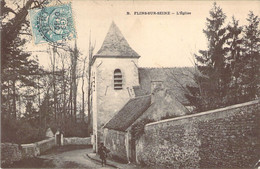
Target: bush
138,128
76,130
20,131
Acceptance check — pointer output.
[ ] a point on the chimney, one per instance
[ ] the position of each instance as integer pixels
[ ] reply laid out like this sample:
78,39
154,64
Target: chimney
157,89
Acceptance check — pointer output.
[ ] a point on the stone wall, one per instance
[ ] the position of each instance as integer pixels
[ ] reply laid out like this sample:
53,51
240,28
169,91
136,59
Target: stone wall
77,141
115,142
9,153
223,138
29,150
12,152
35,149
45,145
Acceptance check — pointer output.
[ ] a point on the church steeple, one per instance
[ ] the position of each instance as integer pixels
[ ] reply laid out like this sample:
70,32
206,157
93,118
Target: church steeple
114,72
115,45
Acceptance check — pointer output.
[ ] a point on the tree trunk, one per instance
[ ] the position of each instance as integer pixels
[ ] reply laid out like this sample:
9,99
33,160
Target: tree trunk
54,85
70,98
8,100
91,48
39,99
83,91
64,93
14,99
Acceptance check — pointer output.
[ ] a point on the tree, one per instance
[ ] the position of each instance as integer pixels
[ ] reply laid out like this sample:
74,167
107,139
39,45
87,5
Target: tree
17,69
74,55
24,81
251,58
83,90
14,28
214,76
234,58
91,49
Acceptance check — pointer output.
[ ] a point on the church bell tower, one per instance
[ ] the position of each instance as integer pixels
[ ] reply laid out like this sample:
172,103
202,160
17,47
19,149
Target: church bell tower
114,72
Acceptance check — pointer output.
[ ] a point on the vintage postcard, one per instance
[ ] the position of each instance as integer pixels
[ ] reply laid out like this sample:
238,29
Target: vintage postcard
130,84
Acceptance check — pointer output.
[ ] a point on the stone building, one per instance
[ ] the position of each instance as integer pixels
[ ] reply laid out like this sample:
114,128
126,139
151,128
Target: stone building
117,81
118,136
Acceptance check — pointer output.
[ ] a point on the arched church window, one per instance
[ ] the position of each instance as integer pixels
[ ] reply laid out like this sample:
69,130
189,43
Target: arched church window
118,80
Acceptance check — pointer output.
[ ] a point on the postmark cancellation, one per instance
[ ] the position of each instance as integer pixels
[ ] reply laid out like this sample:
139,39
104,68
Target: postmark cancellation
52,24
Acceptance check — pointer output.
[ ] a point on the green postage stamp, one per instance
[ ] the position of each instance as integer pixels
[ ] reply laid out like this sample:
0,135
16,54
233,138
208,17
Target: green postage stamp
52,24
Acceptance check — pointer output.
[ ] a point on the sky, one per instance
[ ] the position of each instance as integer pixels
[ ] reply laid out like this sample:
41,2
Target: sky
160,40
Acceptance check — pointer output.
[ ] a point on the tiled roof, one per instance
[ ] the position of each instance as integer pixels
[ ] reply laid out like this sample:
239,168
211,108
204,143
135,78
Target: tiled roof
115,45
132,110
172,78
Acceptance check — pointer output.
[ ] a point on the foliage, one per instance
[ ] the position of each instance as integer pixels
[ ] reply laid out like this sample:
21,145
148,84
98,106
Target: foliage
34,99
228,71
234,58
251,58
214,75
18,72
20,131
78,129
138,128
17,67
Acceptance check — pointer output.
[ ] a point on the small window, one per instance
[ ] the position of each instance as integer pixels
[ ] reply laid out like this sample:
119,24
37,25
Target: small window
118,81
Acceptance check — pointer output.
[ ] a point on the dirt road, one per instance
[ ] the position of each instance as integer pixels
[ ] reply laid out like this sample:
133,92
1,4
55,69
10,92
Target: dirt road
72,159
60,157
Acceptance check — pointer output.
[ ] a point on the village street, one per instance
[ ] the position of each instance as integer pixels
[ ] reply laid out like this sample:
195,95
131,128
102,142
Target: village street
69,157
72,158
61,157
81,158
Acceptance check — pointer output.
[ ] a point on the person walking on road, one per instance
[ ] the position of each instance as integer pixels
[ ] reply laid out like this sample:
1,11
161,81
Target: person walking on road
102,151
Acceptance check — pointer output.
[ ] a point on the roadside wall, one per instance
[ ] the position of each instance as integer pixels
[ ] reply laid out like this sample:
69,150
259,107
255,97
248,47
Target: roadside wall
45,145
223,138
77,141
9,153
29,150
12,152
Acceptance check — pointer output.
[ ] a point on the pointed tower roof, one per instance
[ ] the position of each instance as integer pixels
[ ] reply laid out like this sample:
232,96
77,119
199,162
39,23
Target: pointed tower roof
115,45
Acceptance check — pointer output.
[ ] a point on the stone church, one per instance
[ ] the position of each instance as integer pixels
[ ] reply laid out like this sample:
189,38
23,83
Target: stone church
121,91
